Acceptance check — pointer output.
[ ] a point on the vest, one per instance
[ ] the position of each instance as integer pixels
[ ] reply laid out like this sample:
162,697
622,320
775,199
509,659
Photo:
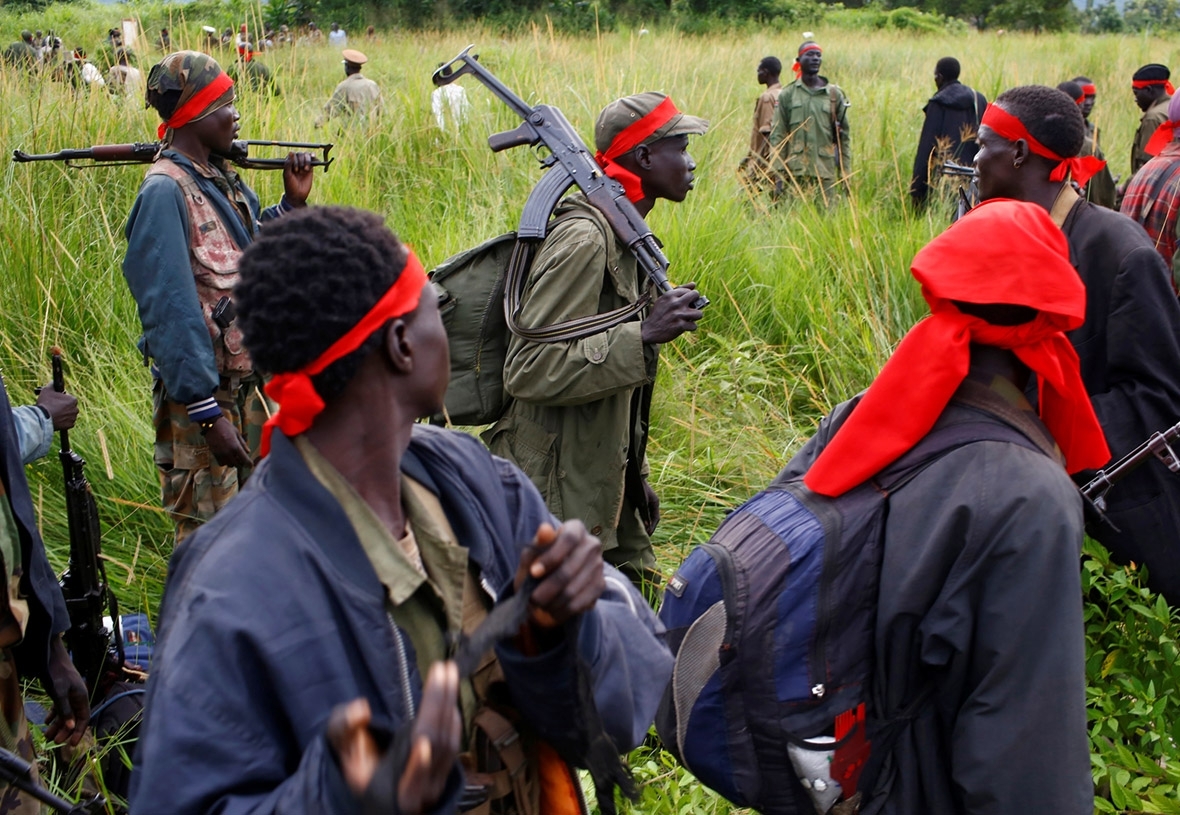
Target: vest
214,257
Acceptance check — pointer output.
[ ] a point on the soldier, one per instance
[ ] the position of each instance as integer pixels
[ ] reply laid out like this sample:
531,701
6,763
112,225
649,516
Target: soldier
22,54
191,221
950,129
1153,196
1152,91
253,73
1100,189
757,162
356,95
578,420
810,139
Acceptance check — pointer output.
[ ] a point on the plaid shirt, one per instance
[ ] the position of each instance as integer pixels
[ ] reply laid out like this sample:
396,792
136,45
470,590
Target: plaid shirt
1153,199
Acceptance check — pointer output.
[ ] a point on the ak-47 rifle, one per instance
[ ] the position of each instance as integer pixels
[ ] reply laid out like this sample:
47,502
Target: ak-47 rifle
96,651
113,155
969,194
569,162
16,771
1158,445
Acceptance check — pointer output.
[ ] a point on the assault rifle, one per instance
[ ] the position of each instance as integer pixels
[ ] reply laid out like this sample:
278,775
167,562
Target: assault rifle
568,162
969,194
16,771
113,155
97,653
1158,445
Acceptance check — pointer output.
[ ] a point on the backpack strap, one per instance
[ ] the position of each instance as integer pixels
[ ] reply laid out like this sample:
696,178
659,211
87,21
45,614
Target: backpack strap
519,265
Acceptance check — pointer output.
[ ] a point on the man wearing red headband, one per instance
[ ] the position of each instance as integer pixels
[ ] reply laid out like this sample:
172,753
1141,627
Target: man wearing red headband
949,129
1100,189
1129,345
1152,87
1153,196
578,420
980,602
377,544
810,138
191,220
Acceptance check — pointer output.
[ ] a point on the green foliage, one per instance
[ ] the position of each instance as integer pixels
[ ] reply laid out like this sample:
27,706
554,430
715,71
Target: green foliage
1152,15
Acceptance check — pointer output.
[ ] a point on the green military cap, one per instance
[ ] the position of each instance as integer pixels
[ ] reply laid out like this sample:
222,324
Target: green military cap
630,110
354,56
26,34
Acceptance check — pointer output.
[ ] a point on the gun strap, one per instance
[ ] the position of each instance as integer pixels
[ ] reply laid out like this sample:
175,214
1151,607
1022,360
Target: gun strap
519,265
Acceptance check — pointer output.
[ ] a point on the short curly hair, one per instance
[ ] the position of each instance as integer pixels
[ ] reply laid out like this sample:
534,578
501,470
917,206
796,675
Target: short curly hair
307,279
1049,115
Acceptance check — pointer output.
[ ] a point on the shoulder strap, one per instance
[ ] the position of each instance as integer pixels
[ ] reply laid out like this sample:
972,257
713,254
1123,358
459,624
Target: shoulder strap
518,269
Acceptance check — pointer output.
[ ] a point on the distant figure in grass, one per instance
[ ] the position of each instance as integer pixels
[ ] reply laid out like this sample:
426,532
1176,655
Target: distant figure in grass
165,41
123,78
450,107
337,37
1100,189
191,220
1153,90
21,53
812,148
757,163
357,96
252,73
1129,345
1153,195
951,128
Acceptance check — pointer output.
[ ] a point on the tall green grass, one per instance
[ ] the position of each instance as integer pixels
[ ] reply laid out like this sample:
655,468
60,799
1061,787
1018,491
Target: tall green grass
807,301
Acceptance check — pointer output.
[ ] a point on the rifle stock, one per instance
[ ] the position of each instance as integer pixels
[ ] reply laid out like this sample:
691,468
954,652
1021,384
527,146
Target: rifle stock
1158,445
568,162
112,155
96,652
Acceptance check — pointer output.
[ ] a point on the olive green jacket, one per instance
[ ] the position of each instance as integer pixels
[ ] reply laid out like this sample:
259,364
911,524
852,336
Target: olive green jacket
804,135
1152,118
570,425
1100,189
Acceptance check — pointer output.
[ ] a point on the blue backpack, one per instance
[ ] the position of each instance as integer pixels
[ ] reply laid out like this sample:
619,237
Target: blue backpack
772,623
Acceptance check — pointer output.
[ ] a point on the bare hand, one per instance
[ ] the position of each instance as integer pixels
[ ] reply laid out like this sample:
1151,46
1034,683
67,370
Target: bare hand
348,733
227,445
71,706
653,508
568,563
435,742
297,177
62,406
671,315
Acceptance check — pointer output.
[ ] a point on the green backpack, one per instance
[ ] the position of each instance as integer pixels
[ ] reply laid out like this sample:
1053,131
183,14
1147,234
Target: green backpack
479,297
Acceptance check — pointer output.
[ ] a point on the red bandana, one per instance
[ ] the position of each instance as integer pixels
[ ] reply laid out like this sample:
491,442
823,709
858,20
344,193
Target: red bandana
298,401
797,68
628,139
197,105
1090,90
1147,83
1081,98
1011,128
1160,139
968,263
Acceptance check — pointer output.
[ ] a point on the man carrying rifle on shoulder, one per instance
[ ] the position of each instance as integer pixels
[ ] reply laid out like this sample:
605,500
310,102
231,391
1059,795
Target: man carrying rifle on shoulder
191,221
32,621
578,423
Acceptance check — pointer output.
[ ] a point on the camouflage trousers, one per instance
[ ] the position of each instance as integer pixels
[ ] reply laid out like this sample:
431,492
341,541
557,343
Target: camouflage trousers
193,485
14,737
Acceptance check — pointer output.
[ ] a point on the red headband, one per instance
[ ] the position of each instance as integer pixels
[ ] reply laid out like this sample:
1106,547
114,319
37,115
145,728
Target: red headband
1081,98
1163,134
1089,90
968,262
1147,83
194,107
797,68
1011,128
294,391
627,140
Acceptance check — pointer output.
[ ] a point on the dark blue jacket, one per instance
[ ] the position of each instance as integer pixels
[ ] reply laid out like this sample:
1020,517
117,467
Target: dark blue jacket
273,615
47,608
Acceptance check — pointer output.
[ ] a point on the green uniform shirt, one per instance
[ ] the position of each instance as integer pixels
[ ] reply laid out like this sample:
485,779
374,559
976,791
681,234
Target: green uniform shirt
1153,117
356,95
1100,188
805,137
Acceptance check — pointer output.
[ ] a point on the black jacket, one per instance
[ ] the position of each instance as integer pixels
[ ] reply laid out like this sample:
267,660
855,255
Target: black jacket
948,113
1129,348
47,608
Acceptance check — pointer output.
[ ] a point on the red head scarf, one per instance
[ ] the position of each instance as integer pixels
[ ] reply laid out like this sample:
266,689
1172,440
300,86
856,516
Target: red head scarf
1011,128
1002,251
803,49
627,140
1089,89
294,391
1166,132
1147,83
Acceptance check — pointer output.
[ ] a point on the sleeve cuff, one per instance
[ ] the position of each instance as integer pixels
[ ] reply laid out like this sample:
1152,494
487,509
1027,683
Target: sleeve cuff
203,410
285,206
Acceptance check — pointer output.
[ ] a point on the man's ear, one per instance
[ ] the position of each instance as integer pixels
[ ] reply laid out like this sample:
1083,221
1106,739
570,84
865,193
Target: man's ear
396,344
1020,152
642,155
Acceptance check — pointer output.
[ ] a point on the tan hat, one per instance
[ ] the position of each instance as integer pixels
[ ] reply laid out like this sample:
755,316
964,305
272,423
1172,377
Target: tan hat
622,113
354,56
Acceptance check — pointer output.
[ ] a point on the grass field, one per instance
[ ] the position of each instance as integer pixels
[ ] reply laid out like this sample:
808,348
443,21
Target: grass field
807,302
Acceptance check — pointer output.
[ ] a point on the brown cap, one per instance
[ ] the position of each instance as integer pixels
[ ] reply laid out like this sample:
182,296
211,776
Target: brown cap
622,113
354,56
